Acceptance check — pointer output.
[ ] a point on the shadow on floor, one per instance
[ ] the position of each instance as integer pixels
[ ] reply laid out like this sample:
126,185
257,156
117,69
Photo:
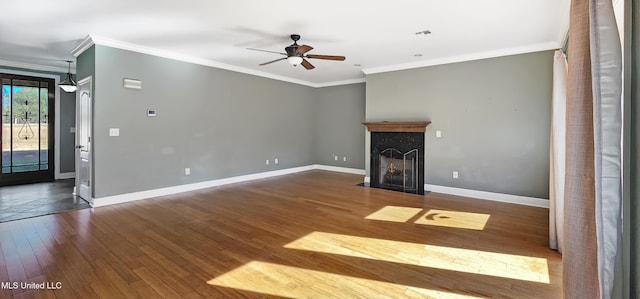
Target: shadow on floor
26,201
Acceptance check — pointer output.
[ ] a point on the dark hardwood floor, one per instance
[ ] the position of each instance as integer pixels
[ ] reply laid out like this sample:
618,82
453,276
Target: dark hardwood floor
309,235
31,200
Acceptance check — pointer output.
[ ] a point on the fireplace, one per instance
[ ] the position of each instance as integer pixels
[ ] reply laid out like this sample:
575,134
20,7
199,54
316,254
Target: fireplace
397,156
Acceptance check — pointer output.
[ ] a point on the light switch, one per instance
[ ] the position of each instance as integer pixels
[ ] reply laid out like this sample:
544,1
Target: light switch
438,134
114,131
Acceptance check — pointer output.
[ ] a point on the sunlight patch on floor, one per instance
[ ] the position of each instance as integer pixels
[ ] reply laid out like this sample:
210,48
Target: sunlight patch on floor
394,214
286,281
455,219
439,257
466,220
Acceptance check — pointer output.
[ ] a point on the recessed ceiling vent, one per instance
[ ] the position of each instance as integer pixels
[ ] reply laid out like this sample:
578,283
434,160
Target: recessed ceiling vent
423,32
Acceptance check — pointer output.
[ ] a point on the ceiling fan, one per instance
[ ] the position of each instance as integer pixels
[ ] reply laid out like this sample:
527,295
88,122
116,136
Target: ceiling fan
296,54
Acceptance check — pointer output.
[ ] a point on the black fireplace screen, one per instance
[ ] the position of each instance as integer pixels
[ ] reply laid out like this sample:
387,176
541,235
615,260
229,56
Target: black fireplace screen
399,170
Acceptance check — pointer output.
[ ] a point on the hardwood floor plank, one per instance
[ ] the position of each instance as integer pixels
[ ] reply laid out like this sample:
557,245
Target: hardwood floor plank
300,235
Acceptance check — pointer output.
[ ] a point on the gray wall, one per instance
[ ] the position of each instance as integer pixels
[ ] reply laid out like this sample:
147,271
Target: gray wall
494,115
338,129
86,65
67,119
217,122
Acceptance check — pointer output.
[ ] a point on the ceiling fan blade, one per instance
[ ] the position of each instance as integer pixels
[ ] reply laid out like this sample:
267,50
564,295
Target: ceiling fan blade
307,65
252,49
326,57
303,49
272,61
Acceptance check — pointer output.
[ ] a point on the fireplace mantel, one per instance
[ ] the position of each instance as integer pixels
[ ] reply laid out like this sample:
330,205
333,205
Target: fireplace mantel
397,126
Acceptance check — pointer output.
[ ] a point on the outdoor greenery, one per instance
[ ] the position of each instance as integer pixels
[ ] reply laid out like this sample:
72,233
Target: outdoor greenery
25,103
24,128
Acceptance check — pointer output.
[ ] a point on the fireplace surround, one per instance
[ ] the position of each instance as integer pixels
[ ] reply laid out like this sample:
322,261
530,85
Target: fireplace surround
397,155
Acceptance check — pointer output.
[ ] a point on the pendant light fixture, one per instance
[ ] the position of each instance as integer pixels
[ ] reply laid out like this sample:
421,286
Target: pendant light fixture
68,85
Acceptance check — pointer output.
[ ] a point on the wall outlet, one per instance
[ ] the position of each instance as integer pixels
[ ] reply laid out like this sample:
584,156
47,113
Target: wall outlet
344,159
114,131
266,162
187,171
275,161
455,174
438,134
335,157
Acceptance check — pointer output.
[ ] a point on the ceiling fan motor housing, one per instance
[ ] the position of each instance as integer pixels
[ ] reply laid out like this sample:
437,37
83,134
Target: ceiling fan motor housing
293,49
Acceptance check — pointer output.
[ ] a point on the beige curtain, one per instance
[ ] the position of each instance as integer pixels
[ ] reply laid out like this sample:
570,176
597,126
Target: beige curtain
557,151
592,223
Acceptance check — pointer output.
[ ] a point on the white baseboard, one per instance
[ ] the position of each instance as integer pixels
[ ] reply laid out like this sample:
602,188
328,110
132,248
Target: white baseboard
339,169
515,199
66,175
122,198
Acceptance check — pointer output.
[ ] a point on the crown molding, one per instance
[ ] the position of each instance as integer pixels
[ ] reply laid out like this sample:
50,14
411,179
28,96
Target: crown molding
462,58
91,40
35,67
342,82
82,46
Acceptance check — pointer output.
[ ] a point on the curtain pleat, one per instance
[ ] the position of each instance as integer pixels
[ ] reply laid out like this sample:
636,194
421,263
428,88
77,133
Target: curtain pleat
634,202
606,68
580,255
557,151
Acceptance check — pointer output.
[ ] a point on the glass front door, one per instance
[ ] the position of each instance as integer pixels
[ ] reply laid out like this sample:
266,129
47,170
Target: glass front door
27,129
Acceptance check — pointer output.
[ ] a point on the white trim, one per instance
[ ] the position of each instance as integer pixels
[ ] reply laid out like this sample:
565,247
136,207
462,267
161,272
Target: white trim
66,175
56,125
91,40
338,83
339,169
515,199
122,198
35,67
461,58
82,46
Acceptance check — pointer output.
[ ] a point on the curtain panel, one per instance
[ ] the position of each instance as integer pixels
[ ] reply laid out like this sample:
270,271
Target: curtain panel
558,151
593,193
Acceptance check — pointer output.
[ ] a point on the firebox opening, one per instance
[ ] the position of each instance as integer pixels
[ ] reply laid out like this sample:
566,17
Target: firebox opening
399,170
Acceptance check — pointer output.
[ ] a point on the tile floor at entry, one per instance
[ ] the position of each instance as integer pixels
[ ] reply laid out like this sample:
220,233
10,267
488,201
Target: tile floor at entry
31,200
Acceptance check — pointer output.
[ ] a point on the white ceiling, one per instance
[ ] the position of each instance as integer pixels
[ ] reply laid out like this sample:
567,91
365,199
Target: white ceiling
376,35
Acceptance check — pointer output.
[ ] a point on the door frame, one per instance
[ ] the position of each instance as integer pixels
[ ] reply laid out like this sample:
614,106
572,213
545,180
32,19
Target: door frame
39,175
86,80
56,145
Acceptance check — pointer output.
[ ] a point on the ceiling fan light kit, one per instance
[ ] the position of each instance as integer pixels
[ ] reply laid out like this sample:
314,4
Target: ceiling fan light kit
297,54
294,60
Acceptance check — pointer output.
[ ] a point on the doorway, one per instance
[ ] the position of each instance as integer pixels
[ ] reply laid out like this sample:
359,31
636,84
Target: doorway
83,139
27,129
